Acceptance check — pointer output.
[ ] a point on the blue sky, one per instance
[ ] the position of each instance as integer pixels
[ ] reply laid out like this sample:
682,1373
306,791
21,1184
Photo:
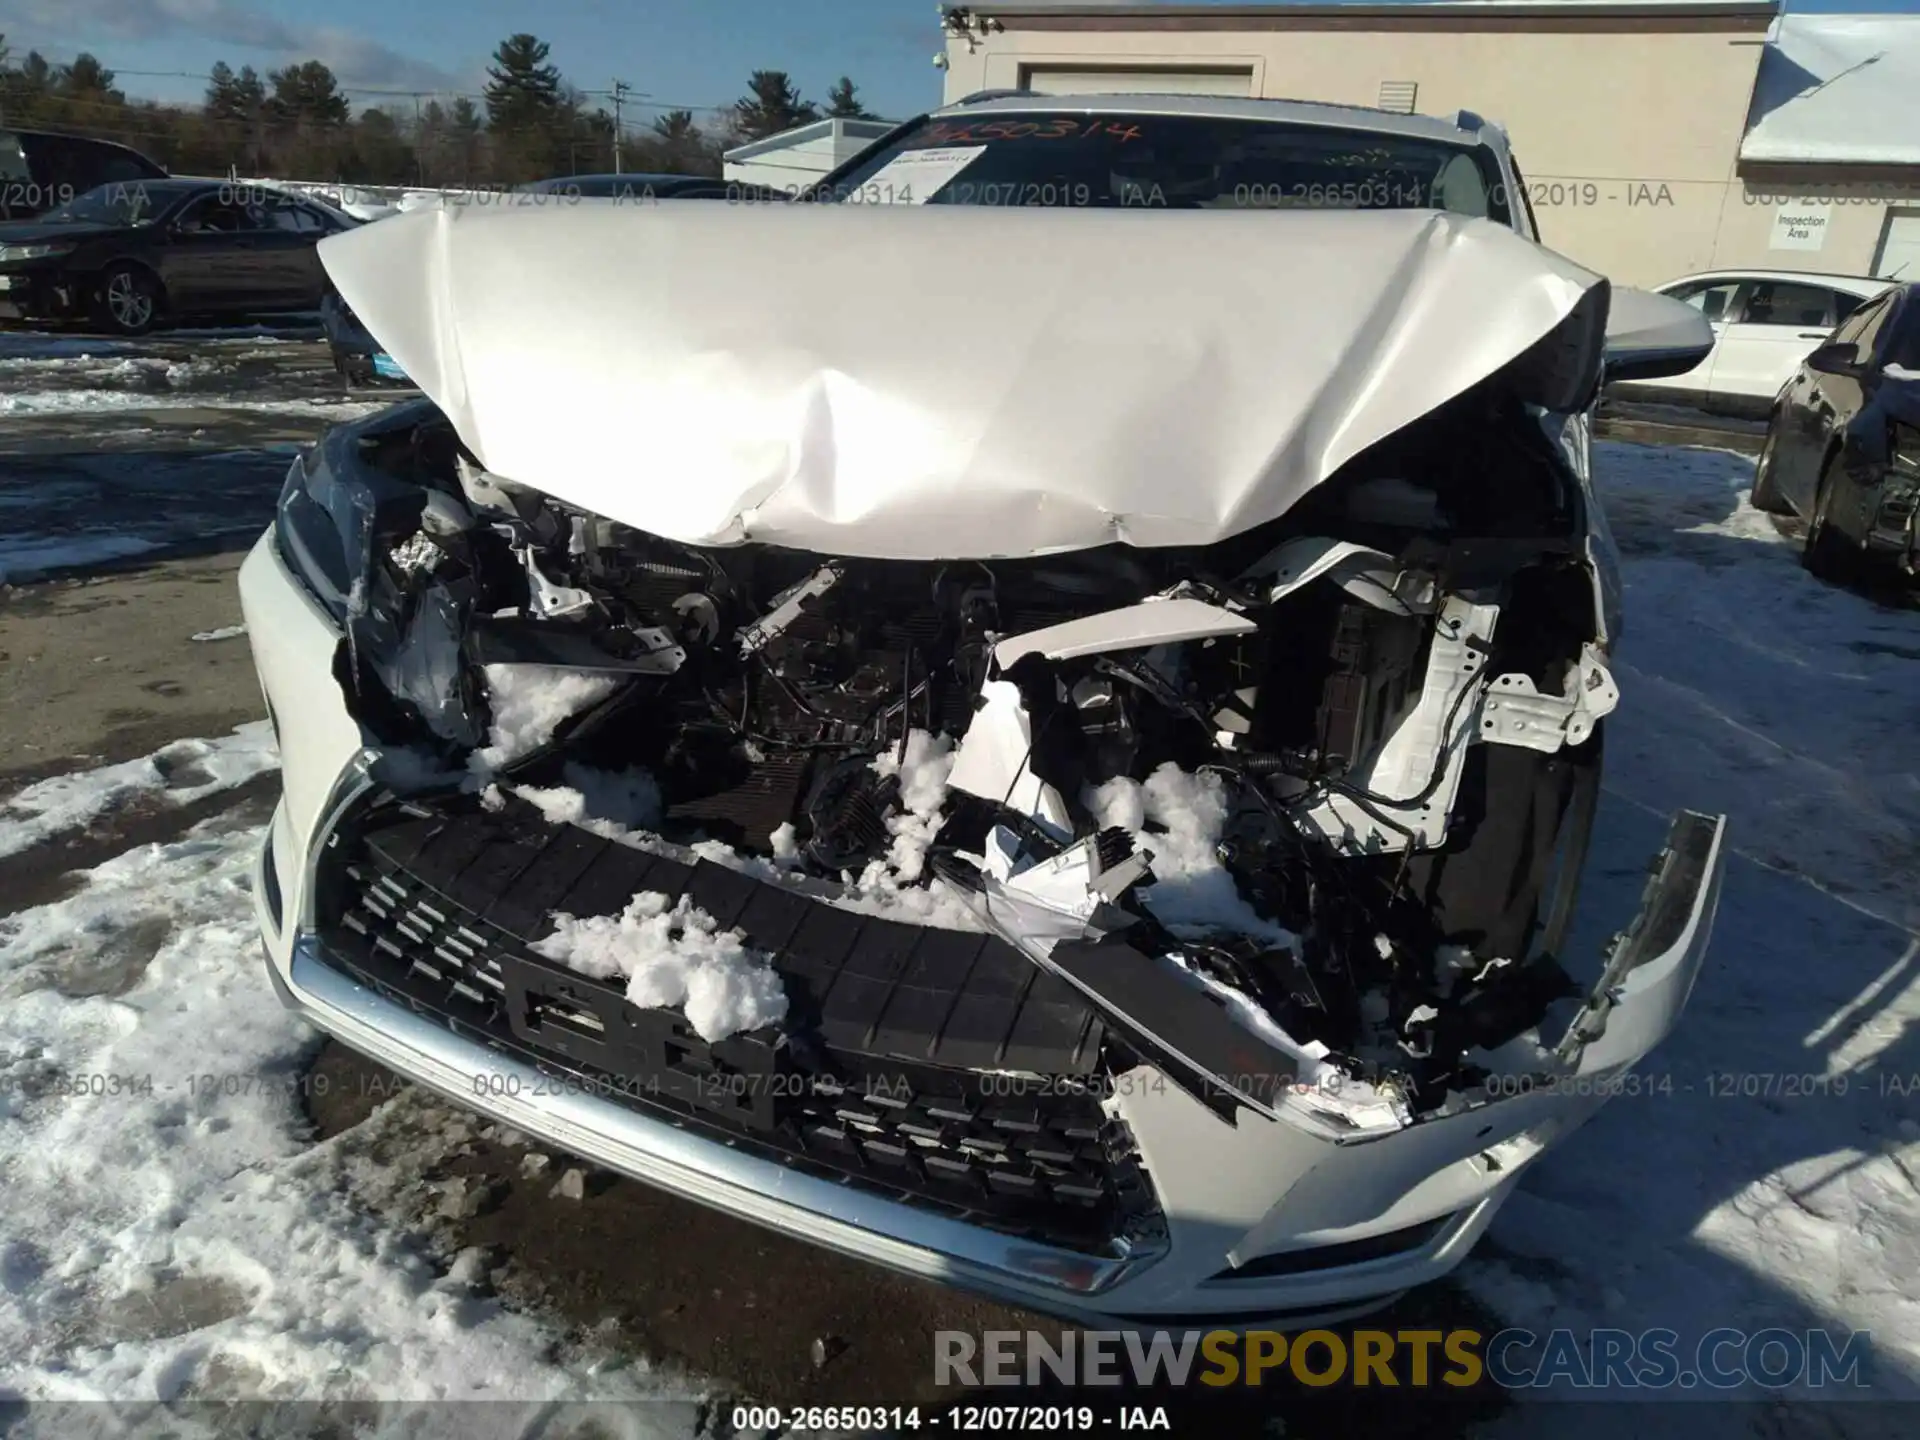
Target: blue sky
695,53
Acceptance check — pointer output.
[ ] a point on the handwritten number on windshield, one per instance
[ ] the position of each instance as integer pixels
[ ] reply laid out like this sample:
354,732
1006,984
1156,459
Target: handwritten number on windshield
1059,127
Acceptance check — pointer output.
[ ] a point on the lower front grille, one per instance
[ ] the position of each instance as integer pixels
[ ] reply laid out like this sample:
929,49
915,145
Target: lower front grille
1053,1167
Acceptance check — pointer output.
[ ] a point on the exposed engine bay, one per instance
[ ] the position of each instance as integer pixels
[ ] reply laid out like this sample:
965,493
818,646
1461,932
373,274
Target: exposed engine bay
1338,769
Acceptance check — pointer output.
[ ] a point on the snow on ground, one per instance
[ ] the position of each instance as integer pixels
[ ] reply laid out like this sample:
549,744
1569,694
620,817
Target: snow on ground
152,373
71,402
78,510
26,557
31,345
40,345
180,773
168,1233
1769,1174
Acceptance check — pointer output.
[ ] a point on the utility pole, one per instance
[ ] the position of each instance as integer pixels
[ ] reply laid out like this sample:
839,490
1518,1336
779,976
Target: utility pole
620,92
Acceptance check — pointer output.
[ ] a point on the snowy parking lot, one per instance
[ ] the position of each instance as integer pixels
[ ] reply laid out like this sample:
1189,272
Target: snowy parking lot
180,1221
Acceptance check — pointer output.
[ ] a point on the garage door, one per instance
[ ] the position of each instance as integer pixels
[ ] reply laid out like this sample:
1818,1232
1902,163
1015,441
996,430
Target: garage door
1048,80
1900,247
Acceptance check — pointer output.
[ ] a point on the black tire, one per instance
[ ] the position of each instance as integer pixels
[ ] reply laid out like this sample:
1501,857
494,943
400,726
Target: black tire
1826,554
129,300
1766,496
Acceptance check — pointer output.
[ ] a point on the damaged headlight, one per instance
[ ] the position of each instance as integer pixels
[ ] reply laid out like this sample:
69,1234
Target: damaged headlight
320,525
350,529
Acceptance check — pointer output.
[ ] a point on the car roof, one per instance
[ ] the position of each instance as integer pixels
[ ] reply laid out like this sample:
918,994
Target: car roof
625,177
1464,128
26,132
1865,286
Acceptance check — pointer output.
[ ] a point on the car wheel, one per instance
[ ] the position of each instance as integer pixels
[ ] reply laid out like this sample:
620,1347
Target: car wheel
1766,496
1827,555
129,300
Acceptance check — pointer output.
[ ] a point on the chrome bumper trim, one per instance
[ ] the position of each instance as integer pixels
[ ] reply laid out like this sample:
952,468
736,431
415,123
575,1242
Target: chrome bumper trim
686,1163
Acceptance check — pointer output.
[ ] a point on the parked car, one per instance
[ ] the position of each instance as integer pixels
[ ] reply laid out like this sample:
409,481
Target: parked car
1843,445
41,170
124,256
1055,755
645,187
1765,322
357,356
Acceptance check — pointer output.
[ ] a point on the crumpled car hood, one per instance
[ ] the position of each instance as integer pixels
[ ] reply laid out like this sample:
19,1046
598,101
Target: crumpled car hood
940,383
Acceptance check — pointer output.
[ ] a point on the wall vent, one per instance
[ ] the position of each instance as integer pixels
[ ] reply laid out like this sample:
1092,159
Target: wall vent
1398,95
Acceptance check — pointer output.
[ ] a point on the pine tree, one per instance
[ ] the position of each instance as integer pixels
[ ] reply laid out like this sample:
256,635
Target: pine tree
307,95
464,121
772,104
223,94
680,142
843,104
87,78
522,89
251,92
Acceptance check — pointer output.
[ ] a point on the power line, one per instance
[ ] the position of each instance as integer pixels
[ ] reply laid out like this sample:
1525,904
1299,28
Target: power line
637,99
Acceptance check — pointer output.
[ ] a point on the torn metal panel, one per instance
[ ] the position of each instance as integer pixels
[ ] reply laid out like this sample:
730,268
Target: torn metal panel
1137,627
1073,400
1514,712
1367,574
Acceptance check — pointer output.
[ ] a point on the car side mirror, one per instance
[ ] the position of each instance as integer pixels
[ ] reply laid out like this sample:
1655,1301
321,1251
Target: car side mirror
1652,336
1836,357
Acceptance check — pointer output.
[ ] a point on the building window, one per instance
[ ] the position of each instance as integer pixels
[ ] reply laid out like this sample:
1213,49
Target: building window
1398,95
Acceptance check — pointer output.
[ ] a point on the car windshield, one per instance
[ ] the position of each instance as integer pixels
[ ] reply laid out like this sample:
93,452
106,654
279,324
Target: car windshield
121,203
1117,160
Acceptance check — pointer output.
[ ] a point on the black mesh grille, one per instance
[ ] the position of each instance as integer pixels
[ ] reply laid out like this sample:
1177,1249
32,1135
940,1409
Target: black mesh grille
1052,1168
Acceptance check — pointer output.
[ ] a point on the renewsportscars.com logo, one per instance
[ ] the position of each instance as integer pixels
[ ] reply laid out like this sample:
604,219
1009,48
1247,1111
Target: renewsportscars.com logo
1513,1359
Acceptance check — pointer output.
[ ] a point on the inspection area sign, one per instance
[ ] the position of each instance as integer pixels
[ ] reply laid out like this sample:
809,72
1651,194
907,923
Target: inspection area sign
1800,225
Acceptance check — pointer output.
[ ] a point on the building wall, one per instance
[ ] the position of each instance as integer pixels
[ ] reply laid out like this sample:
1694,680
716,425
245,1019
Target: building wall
1628,137
788,166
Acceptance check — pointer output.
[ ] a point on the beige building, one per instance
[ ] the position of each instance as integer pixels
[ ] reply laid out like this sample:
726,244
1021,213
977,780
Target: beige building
1656,138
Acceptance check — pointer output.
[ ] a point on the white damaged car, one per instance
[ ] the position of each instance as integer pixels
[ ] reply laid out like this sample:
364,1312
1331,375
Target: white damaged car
1048,748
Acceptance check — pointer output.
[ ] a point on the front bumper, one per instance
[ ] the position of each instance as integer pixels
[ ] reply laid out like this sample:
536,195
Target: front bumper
364,366
1260,1221
1893,531
35,294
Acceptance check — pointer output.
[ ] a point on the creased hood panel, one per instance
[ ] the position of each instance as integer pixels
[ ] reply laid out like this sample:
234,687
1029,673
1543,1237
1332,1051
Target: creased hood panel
946,382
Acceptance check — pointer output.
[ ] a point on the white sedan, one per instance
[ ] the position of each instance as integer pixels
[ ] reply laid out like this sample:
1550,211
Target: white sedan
1765,322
